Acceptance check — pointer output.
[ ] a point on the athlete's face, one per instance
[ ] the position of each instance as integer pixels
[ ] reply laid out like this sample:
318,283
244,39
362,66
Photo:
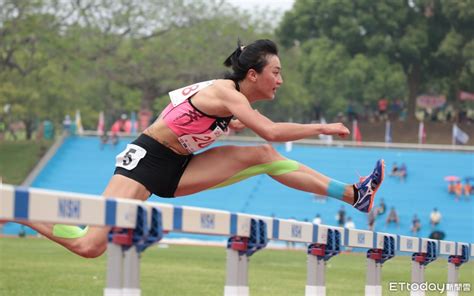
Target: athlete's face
270,79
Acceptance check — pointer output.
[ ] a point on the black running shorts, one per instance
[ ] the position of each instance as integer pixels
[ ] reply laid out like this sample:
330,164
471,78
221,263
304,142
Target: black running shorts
153,165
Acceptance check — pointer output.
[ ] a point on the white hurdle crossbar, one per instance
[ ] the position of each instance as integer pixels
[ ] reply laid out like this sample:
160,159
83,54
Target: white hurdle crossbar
40,205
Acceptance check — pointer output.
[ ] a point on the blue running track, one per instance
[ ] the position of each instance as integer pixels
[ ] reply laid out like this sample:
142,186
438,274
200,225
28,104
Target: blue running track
81,166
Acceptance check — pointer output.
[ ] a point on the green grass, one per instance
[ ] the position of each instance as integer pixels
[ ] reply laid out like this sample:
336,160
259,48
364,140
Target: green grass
40,267
17,159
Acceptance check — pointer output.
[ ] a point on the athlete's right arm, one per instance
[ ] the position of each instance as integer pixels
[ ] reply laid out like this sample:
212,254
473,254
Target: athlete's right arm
238,105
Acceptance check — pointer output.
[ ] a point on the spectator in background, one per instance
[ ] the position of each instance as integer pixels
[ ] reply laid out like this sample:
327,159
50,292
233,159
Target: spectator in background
403,172
104,138
371,218
341,216
392,217
435,217
462,115
317,219
114,139
451,187
450,113
467,188
381,208
394,109
368,113
415,225
403,114
122,125
340,117
67,123
351,111
394,170
437,234
349,223
382,108
457,188
420,114
399,171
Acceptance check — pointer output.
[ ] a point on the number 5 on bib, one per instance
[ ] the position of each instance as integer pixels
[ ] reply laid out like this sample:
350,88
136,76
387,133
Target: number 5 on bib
129,158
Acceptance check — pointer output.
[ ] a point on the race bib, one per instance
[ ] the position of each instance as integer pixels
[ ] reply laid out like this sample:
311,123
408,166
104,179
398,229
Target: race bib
129,158
180,95
195,142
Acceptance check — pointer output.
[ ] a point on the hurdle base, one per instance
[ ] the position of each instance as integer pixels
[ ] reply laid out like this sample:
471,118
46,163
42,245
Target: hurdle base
417,293
113,292
452,293
131,292
236,291
315,291
373,290
122,292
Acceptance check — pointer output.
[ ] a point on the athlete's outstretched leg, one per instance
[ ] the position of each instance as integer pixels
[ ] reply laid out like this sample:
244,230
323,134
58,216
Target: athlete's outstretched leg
225,165
361,194
92,242
89,243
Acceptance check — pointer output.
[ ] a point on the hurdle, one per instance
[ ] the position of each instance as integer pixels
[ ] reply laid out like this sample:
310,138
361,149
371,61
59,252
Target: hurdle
455,260
425,252
124,249
137,225
381,248
239,250
326,243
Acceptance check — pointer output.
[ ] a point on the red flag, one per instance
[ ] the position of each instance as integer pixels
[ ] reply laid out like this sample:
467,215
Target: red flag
356,135
421,133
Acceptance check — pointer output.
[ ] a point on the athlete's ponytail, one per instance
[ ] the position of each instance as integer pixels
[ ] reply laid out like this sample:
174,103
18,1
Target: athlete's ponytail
234,57
252,56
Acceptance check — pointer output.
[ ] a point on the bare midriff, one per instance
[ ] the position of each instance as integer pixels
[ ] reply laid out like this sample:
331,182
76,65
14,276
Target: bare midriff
159,131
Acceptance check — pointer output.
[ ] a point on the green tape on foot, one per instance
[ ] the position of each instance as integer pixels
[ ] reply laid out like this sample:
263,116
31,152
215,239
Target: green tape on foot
69,231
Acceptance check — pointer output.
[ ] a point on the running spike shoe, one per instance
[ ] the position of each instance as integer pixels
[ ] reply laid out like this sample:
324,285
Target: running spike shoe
368,186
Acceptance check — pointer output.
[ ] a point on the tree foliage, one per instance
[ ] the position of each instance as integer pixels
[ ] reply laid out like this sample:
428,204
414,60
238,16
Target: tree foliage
58,56
119,56
366,50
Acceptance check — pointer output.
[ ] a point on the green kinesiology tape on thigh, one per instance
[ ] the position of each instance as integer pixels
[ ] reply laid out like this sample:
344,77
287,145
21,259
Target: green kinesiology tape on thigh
275,168
69,231
336,189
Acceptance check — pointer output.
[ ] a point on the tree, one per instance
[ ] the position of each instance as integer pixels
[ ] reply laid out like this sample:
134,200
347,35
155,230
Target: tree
30,43
150,59
56,56
416,36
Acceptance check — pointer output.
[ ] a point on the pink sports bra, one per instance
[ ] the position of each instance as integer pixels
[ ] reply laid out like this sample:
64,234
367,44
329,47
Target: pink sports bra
194,128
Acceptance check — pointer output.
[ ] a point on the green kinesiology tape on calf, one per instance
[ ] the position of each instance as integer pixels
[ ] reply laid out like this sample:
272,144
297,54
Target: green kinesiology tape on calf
275,168
69,231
